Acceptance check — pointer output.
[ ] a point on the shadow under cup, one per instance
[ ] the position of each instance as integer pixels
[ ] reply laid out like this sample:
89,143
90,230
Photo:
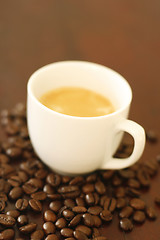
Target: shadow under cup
75,145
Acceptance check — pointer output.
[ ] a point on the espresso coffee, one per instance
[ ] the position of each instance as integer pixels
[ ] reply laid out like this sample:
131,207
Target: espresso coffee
75,101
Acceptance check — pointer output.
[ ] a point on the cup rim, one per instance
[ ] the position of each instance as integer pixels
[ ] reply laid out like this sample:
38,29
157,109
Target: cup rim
34,75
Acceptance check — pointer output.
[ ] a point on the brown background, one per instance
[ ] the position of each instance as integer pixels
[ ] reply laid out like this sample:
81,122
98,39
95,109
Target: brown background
121,34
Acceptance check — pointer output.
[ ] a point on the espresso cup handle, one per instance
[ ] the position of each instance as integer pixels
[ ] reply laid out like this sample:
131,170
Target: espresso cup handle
138,134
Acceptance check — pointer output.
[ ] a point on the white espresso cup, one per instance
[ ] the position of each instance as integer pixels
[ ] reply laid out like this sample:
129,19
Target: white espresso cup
78,145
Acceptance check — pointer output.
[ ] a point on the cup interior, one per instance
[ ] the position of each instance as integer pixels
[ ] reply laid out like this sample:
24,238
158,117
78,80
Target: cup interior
87,75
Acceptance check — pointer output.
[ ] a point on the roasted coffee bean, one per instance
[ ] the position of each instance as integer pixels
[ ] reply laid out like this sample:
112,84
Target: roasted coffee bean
107,174
41,173
75,220
39,196
88,219
36,182
15,181
80,201
126,212
86,230
30,227
2,205
68,214
69,191
106,215
66,179
80,235
143,177
157,200
151,213
23,176
35,205
77,181
133,183
100,187
22,220
13,213
116,181
110,204
137,204
49,216
91,178
132,192
139,216
29,189
48,189
52,237
37,235
55,206
126,224
49,228
88,188
69,203
7,220
95,210
100,238
71,238
151,136
121,203
14,152
3,197
3,158
79,209
97,221
53,179
5,170
95,233
127,173
96,198
90,199
11,129
120,192
21,204
7,234
54,196
66,232
61,223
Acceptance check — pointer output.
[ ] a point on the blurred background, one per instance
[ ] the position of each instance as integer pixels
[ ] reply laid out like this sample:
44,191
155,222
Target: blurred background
121,34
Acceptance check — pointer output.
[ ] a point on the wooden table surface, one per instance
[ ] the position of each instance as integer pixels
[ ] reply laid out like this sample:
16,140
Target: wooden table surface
121,34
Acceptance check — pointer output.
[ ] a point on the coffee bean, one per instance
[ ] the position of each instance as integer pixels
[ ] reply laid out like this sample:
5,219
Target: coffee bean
127,173
77,181
97,221
41,173
69,203
66,179
90,199
88,219
151,213
100,187
30,227
143,177
121,203
49,228
139,216
110,204
88,188
5,170
3,197
54,196
69,191
157,200
2,205
7,220
116,181
133,183
95,210
21,204
91,178
14,152
79,209
66,232
22,220
100,238
95,233
120,192
53,179
39,196
106,215
80,201
15,181
132,192
75,220
79,235
48,189
126,212
29,188
126,224
7,234
49,216
137,204
68,214
61,223
35,205
36,182
52,237
55,206
23,176
86,230
37,235
3,158
107,174
11,129
151,136
13,213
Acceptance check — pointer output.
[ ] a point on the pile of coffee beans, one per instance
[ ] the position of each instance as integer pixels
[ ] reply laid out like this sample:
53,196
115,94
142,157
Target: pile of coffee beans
67,207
